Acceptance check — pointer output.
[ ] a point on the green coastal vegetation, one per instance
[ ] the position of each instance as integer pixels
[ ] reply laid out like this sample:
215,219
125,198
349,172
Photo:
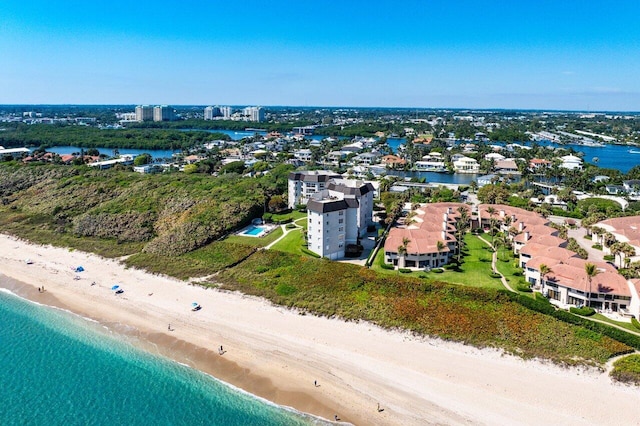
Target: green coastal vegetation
178,224
44,135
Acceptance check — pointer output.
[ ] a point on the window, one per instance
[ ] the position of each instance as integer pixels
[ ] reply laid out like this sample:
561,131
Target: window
339,221
341,213
340,245
341,229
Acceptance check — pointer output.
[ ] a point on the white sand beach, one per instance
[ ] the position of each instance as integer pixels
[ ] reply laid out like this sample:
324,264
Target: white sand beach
277,353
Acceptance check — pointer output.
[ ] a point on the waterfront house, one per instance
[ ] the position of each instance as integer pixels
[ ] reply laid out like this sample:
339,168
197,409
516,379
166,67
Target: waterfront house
571,162
466,165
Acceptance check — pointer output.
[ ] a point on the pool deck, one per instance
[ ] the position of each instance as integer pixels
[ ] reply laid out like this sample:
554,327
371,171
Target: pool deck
266,230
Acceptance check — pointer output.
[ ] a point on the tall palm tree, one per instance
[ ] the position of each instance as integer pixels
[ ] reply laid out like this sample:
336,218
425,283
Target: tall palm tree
402,250
492,223
544,271
629,252
591,270
440,247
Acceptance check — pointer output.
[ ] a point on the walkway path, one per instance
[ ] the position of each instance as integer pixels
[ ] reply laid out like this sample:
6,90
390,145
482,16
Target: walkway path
285,231
494,258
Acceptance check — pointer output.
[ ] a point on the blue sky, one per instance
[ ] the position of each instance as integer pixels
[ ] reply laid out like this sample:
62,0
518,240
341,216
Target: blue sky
577,55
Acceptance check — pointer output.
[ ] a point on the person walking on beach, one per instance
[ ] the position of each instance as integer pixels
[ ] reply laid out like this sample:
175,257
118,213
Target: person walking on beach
169,327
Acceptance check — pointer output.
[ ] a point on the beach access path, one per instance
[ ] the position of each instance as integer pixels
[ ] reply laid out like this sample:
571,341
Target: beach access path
278,353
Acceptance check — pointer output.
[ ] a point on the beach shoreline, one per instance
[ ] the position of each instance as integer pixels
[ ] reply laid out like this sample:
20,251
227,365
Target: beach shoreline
277,354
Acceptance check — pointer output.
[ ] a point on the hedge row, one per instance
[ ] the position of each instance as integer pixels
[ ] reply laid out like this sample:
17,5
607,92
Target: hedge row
585,311
545,307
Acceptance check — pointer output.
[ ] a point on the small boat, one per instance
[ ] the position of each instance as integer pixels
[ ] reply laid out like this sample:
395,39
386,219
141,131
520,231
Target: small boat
634,151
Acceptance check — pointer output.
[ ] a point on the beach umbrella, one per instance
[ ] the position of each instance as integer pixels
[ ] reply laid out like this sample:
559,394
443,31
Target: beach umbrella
194,304
115,287
79,269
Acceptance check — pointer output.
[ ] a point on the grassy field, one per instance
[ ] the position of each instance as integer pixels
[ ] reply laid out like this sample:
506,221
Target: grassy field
199,263
507,265
626,325
253,241
291,215
291,243
474,271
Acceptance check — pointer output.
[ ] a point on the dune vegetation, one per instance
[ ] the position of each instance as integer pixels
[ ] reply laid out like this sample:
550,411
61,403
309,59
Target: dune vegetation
176,224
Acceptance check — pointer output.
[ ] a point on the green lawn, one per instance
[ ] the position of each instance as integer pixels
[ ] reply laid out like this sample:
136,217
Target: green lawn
507,266
475,270
292,243
293,215
302,222
253,241
626,325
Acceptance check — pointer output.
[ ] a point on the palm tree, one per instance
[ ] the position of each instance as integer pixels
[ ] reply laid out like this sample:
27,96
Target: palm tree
402,250
616,249
629,252
544,271
440,247
500,240
491,212
591,270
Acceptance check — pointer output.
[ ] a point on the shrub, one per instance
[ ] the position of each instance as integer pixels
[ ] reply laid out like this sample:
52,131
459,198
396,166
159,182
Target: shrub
517,274
495,275
597,246
437,270
627,369
523,288
404,270
542,305
387,266
291,226
585,311
267,217
609,257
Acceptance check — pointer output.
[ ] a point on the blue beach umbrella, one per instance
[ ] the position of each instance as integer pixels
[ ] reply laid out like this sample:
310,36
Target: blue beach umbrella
115,287
194,304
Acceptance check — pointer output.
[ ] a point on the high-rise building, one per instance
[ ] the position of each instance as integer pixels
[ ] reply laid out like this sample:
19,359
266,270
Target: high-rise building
338,216
163,113
211,112
144,113
254,113
226,112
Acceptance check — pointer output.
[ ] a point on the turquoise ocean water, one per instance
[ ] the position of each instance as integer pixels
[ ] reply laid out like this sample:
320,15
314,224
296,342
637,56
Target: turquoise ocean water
60,369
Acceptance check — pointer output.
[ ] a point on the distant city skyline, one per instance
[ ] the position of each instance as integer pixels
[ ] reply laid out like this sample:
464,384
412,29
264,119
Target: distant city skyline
543,55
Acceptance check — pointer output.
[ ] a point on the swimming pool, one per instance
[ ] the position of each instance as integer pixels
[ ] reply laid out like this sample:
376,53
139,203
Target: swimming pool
254,231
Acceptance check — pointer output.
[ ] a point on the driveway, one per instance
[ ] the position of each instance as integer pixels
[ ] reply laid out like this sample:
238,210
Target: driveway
578,234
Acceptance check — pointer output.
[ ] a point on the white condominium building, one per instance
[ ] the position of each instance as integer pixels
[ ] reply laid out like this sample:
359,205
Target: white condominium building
306,183
144,113
338,216
212,112
254,113
163,113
